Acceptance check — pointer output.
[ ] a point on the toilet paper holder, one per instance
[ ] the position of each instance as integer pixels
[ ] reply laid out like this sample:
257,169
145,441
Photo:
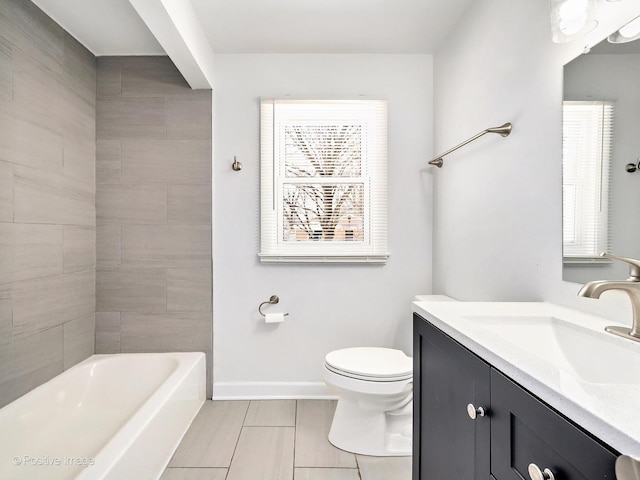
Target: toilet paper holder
272,301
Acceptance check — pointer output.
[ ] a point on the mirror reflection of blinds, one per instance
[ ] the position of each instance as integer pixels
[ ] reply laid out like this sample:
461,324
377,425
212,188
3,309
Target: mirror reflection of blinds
324,164
586,158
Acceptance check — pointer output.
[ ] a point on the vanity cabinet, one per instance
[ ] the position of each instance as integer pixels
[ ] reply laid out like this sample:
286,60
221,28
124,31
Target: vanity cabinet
447,444
518,429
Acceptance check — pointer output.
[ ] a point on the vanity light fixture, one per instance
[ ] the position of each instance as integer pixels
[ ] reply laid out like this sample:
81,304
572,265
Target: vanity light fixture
571,19
628,33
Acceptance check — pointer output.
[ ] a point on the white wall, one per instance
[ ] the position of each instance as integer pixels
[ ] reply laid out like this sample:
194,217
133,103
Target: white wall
330,306
497,205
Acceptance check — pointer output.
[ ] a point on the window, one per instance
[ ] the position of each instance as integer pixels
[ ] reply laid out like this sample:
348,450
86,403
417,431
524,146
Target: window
586,156
323,181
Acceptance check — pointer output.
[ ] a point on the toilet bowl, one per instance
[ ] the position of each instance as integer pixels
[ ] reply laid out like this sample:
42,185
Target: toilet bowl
374,411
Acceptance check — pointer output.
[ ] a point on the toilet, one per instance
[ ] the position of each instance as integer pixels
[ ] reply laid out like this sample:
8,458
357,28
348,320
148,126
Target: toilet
374,411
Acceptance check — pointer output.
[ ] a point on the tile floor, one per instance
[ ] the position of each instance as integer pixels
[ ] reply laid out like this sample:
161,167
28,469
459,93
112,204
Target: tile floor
272,440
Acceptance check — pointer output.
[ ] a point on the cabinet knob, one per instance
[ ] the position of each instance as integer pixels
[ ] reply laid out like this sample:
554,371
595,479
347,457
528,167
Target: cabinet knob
474,411
536,474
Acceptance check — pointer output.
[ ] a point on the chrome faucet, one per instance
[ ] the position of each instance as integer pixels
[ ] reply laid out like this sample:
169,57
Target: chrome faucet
631,285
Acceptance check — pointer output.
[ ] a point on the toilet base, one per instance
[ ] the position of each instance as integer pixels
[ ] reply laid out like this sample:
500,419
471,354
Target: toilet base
370,432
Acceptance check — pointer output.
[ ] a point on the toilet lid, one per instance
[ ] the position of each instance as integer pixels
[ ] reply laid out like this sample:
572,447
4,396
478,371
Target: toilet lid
372,362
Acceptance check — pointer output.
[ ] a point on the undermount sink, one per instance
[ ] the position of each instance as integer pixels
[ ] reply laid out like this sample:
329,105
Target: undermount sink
586,354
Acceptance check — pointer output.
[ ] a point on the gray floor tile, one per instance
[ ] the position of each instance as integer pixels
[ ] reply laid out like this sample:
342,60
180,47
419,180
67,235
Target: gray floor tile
384,468
312,446
326,474
271,413
263,453
212,437
194,474
217,439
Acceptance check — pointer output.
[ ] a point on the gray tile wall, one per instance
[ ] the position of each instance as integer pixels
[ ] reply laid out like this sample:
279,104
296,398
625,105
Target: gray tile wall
153,206
47,199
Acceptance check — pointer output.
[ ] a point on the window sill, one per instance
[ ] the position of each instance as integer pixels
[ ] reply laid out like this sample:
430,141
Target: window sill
586,261
282,258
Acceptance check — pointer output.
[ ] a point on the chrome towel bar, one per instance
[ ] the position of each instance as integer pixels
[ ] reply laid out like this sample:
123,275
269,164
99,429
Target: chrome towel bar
502,130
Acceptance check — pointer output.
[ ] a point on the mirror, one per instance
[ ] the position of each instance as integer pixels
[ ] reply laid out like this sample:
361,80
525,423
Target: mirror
601,151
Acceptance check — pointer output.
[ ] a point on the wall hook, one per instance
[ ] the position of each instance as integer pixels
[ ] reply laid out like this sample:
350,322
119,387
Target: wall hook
236,165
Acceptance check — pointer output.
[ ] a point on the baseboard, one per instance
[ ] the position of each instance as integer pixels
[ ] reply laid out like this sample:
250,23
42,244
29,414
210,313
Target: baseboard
271,390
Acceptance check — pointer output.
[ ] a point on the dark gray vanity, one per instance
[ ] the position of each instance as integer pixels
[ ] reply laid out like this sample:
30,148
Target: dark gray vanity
473,422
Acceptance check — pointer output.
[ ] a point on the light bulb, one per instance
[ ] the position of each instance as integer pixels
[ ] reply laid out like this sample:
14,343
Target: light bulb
571,18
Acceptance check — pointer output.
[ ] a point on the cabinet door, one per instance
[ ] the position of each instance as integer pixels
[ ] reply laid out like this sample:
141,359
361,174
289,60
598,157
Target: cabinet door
524,430
447,443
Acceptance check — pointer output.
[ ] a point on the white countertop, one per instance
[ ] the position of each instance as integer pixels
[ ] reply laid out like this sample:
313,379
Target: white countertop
609,411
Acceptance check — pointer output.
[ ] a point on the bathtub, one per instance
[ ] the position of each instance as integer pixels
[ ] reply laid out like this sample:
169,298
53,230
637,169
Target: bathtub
115,417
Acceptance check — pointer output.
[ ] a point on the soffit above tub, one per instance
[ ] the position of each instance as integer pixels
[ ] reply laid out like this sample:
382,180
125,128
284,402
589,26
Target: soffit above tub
105,27
112,27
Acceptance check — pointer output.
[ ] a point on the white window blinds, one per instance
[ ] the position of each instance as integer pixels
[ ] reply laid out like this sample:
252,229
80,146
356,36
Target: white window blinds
323,181
587,142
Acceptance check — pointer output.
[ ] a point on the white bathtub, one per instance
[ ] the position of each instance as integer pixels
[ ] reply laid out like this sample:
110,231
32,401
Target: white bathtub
115,417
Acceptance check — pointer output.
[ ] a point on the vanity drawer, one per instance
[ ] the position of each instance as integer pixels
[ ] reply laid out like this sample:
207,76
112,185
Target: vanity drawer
524,430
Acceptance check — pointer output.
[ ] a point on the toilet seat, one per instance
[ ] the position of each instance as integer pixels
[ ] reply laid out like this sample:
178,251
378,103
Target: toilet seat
371,364
367,378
